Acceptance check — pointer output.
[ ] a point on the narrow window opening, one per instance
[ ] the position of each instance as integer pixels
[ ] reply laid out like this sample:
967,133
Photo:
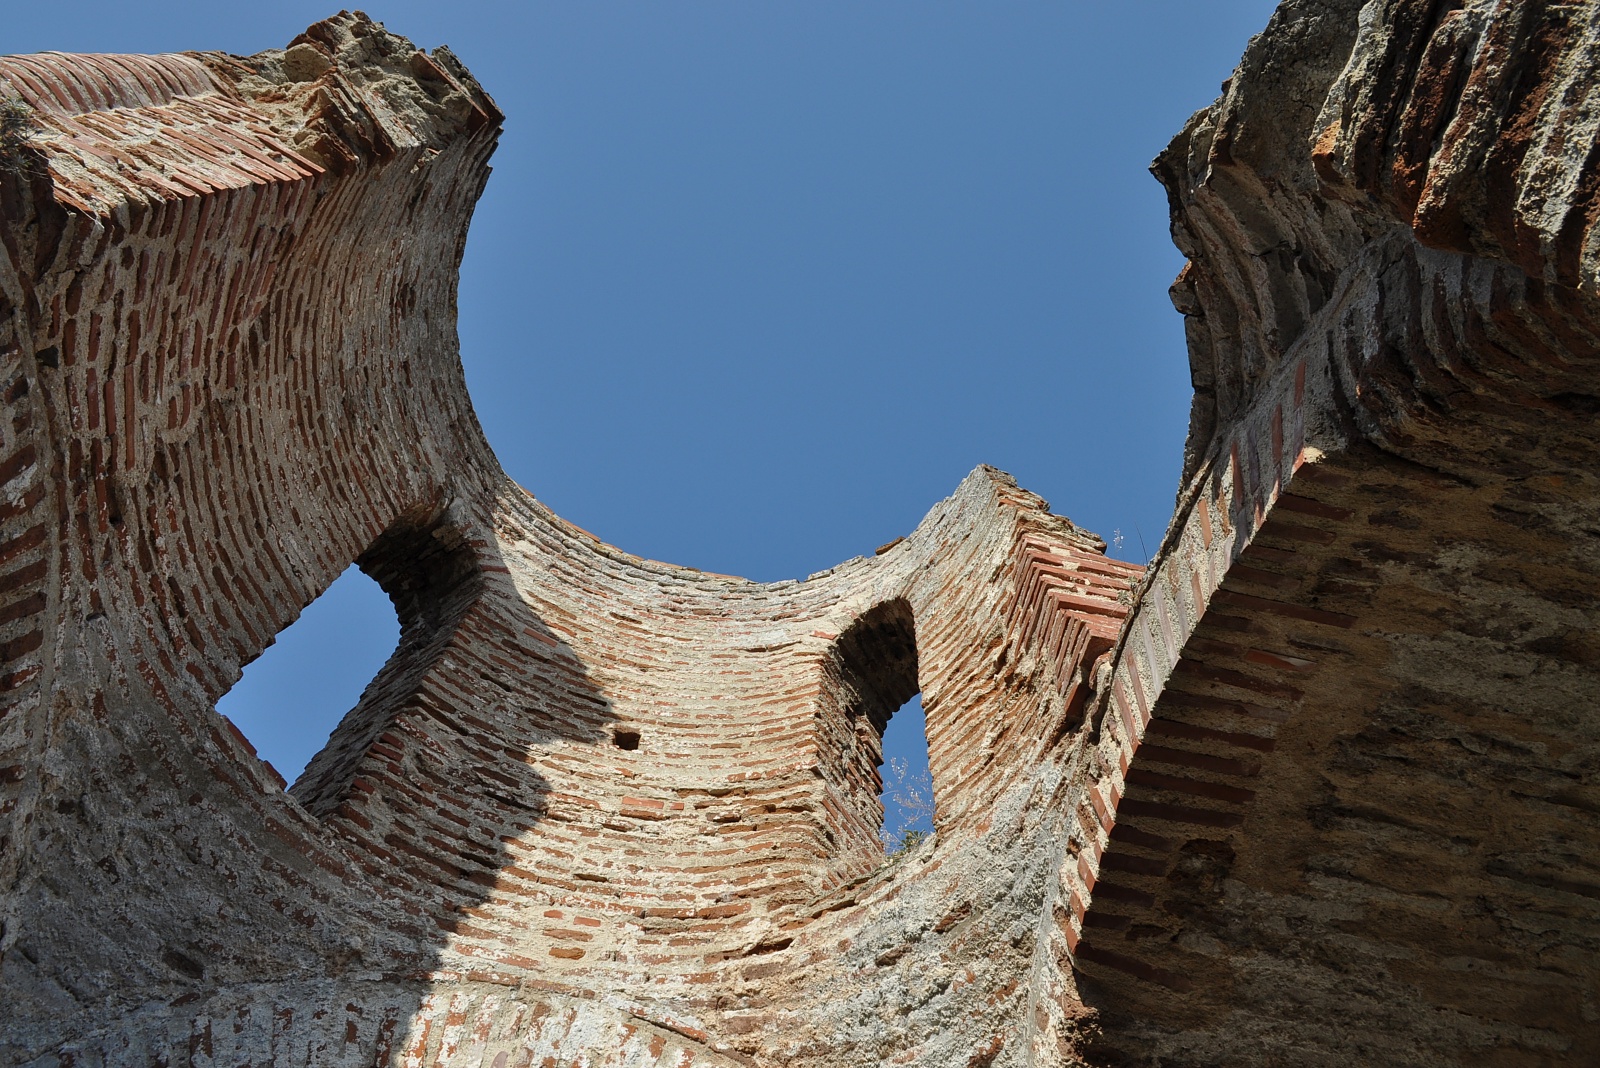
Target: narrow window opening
295,693
907,794
626,739
870,739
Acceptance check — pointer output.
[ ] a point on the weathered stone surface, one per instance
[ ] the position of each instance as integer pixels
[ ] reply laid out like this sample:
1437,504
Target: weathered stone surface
1358,767
1319,787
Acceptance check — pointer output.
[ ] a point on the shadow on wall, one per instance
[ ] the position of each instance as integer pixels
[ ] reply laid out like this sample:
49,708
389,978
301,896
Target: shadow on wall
267,391
316,921
432,776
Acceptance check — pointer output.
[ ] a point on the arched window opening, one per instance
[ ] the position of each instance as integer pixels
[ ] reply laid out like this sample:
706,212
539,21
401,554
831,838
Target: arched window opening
295,693
907,794
877,786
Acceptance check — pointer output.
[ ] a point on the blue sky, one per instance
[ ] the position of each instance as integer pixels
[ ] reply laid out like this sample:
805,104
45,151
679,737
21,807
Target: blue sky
755,284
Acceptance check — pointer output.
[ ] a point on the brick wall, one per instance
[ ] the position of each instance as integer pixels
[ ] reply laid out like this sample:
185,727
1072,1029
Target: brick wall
1316,787
592,801
1329,800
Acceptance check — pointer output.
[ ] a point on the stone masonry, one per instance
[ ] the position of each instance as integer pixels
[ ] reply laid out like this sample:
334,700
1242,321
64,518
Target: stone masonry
1321,786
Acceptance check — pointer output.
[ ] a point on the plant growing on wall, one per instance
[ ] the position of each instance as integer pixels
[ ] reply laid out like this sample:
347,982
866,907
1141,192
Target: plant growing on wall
907,801
17,130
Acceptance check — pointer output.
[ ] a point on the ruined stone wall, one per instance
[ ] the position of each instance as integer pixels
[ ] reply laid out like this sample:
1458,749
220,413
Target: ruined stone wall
1316,788
594,805
1350,747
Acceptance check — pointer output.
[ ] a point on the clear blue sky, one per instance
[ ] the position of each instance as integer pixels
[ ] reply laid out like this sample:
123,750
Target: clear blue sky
755,284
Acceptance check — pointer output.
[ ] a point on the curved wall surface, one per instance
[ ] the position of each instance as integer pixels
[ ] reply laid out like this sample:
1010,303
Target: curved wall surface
1319,787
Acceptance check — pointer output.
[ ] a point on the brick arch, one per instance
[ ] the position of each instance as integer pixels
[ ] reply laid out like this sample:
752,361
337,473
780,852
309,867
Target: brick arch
867,675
